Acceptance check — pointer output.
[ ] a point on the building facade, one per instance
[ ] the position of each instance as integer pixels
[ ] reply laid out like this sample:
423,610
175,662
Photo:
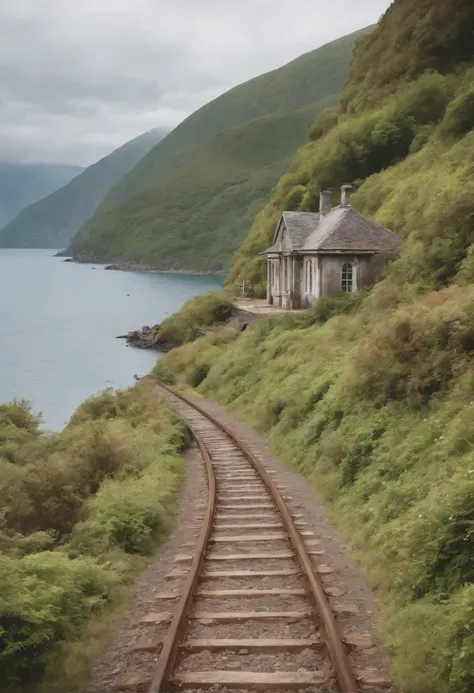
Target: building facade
323,253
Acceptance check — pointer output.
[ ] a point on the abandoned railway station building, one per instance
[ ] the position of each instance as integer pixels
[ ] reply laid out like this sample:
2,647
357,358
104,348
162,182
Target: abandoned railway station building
321,253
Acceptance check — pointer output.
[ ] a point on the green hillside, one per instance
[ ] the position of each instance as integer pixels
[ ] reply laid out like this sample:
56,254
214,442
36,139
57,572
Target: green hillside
413,125
206,180
23,184
371,395
52,221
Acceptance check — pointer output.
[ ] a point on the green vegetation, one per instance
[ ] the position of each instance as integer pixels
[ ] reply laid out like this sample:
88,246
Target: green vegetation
189,203
77,511
371,396
374,406
52,221
199,312
411,158
431,36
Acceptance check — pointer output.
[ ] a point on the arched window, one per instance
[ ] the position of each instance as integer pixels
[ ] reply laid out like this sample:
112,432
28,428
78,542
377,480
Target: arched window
309,276
347,278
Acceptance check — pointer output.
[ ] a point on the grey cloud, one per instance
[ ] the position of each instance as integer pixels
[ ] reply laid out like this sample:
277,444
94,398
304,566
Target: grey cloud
80,77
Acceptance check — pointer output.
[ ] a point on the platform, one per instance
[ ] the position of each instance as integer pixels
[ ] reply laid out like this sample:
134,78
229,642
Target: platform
261,308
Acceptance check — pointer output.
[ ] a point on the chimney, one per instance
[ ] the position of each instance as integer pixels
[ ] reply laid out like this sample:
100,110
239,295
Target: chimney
325,204
346,192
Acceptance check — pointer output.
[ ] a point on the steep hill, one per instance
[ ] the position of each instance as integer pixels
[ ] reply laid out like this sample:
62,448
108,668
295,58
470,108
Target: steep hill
23,184
371,395
51,222
190,176
411,118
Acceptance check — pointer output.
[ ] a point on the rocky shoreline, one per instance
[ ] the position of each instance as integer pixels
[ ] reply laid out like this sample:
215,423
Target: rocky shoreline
131,267
146,338
137,267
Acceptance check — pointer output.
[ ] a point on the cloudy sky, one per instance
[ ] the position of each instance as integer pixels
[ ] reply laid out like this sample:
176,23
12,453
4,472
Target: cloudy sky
78,78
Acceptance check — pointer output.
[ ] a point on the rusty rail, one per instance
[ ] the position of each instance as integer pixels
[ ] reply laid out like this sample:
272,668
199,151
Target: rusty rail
336,648
166,660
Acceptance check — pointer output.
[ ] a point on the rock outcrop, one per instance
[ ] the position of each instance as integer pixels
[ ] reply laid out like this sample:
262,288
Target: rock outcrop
146,338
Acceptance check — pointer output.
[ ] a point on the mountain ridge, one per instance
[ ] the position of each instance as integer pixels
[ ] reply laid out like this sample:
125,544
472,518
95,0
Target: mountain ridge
51,221
24,184
162,211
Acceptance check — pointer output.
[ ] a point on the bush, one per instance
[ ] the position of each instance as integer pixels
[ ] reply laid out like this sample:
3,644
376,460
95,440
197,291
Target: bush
132,514
200,311
459,119
434,644
19,414
325,121
44,599
199,374
294,197
101,491
327,307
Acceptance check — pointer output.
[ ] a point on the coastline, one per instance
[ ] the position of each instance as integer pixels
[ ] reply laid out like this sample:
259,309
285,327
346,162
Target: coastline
137,267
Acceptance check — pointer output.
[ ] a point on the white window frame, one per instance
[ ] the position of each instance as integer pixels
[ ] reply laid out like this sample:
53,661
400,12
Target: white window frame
348,278
309,276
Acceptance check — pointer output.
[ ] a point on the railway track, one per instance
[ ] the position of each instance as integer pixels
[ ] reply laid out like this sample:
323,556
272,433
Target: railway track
250,610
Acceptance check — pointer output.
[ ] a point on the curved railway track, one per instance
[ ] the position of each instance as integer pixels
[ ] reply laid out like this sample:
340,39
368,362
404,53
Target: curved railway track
251,612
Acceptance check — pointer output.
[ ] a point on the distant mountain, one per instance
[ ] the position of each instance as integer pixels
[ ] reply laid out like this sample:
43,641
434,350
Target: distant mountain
52,221
190,201
22,184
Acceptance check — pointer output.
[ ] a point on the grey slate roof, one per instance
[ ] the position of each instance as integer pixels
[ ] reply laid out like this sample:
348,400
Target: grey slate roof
342,229
346,229
299,226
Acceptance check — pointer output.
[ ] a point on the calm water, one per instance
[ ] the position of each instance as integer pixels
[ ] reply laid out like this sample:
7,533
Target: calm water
58,323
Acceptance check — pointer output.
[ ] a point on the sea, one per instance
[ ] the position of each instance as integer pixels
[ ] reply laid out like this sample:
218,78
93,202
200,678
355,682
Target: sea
59,323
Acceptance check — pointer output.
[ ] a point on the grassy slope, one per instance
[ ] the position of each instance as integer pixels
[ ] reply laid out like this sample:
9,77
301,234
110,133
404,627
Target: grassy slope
179,222
189,176
51,222
371,396
79,511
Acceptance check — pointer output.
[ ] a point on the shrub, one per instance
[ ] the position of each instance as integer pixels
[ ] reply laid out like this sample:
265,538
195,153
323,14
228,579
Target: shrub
132,514
294,197
44,599
199,374
434,644
325,121
339,304
459,119
19,414
200,311
104,489
163,373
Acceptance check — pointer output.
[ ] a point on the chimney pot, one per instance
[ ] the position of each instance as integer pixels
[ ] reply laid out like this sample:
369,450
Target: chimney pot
325,203
346,192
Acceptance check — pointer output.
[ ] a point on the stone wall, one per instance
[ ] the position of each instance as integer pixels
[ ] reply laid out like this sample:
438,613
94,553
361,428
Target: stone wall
242,317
